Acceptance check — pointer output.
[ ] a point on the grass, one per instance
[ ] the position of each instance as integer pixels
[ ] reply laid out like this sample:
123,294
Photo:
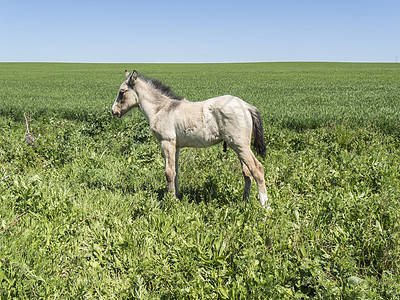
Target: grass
85,213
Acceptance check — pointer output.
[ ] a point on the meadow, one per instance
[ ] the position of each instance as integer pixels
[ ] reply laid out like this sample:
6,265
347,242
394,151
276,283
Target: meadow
85,213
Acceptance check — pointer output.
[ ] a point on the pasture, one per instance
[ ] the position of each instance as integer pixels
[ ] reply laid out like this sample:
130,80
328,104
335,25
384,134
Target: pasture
85,212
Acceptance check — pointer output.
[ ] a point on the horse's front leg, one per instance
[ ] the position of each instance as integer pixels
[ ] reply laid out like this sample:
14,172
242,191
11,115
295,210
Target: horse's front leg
170,156
177,193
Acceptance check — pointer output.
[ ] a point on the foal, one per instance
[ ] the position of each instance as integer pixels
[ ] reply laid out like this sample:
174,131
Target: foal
178,123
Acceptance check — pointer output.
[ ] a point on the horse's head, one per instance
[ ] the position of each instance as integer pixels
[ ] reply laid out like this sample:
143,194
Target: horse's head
127,97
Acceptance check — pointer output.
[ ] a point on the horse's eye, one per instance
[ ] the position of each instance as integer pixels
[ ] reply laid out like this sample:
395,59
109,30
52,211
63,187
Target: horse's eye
121,94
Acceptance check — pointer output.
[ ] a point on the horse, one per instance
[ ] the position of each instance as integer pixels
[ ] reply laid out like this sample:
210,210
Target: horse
177,123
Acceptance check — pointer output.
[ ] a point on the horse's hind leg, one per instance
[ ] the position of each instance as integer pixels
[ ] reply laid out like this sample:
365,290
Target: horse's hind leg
256,169
247,181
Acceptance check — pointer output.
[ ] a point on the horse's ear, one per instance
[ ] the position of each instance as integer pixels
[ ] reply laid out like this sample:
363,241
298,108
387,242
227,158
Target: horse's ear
134,75
131,77
126,74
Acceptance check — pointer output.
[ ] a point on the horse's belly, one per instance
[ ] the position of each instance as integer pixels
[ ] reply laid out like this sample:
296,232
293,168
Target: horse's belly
197,126
198,137
197,143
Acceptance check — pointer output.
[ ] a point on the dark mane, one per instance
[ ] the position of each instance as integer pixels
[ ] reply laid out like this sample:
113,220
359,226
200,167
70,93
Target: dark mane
162,88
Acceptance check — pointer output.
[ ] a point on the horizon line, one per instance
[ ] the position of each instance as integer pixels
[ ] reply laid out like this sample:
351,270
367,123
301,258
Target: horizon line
232,62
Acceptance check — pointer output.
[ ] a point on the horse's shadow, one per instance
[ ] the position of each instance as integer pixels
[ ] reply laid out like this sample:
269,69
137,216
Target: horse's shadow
205,193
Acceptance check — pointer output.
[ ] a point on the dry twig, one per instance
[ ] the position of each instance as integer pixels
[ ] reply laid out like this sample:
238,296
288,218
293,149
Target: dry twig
13,222
88,218
29,138
5,177
7,187
23,274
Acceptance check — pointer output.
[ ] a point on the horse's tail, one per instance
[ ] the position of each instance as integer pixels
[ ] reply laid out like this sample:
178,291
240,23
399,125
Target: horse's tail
259,140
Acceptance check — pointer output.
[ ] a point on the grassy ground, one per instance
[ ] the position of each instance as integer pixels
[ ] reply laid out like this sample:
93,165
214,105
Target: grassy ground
84,211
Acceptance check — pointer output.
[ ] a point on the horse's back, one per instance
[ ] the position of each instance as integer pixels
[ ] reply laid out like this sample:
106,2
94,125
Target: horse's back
205,123
230,107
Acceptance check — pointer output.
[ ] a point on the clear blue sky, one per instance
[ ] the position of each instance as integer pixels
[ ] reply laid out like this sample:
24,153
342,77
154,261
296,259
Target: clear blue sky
199,31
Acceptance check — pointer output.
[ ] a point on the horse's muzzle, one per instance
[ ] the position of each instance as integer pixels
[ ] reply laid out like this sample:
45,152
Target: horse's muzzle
116,113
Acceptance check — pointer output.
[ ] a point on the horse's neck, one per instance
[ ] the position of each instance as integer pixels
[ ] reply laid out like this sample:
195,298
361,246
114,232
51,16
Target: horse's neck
150,101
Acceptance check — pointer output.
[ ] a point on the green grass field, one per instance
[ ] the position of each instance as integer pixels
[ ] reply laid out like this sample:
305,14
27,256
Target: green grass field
85,214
